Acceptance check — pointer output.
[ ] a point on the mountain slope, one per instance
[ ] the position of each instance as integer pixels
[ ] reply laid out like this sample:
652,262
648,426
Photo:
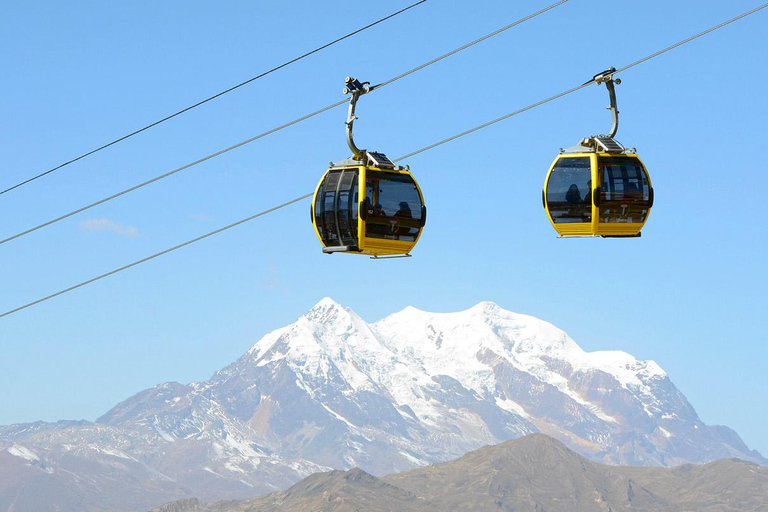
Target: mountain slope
534,473
332,391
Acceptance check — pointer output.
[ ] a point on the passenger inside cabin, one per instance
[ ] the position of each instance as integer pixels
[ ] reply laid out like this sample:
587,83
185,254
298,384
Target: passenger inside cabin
405,211
573,195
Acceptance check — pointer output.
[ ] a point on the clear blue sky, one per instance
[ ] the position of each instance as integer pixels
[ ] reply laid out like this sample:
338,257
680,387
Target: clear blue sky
690,294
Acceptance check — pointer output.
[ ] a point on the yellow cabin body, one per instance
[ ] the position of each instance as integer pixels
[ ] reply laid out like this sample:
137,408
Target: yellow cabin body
368,210
597,194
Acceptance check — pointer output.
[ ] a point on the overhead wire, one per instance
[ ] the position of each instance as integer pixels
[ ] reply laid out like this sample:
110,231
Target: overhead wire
579,87
178,169
156,255
684,41
468,45
426,148
217,95
273,130
489,123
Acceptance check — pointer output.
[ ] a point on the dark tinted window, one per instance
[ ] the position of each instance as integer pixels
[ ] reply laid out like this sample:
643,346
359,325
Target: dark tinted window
395,211
568,190
625,192
336,208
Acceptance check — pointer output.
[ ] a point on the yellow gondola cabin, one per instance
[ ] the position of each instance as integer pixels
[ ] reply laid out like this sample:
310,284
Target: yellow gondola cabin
598,194
366,204
598,188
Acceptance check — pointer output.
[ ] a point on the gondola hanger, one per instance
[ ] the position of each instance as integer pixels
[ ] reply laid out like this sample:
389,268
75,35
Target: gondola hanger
366,204
598,187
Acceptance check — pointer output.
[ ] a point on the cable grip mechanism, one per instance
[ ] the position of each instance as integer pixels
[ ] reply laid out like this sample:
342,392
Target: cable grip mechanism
356,89
606,77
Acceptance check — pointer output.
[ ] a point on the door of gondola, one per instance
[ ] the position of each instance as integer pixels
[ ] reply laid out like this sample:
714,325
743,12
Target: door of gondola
625,195
393,209
335,211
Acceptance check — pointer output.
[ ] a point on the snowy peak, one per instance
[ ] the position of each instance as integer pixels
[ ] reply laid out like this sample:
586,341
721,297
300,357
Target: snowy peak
526,342
327,320
418,387
332,391
327,311
433,344
476,377
329,343
488,309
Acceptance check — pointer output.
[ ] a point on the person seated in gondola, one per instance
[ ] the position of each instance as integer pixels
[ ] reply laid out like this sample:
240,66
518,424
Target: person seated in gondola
588,195
380,227
632,193
633,197
573,195
403,213
576,205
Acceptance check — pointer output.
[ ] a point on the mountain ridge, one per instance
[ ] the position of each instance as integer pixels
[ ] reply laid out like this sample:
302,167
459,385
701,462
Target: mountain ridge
333,391
532,473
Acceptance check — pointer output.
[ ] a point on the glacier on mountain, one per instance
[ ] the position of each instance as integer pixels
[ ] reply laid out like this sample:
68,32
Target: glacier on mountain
444,383
333,391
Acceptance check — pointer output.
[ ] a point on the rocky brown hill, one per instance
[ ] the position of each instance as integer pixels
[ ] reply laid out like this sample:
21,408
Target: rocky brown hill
532,474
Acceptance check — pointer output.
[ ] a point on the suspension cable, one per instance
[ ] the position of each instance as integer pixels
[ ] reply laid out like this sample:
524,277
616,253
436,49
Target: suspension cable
489,123
158,254
529,107
426,148
222,93
473,43
179,169
273,130
684,41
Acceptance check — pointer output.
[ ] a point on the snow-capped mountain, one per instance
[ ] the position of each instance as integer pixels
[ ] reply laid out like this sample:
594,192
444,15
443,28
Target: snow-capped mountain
332,391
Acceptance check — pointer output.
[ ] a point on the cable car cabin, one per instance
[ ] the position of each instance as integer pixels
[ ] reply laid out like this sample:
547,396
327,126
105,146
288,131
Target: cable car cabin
366,204
373,210
598,189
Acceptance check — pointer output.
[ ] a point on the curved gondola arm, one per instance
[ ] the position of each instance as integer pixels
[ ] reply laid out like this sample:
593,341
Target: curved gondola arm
357,89
606,77
348,216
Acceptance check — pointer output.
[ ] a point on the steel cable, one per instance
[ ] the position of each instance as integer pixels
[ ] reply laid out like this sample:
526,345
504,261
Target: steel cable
273,130
156,255
426,148
222,93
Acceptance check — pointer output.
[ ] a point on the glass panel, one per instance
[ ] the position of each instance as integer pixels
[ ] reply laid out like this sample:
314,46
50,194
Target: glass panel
396,213
324,214
336,208
625,192
347,207
569,197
